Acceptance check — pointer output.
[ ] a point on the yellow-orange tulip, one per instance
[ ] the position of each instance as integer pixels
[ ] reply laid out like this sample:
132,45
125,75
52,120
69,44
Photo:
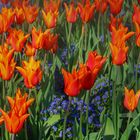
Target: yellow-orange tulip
31,72
131,99
30,50
15,118
17,39
7,64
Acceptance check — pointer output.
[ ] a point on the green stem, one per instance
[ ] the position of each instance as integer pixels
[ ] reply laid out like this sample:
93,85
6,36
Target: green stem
129,117
13,137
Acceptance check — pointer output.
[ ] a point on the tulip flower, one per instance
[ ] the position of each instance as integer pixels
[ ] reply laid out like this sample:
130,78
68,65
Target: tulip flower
30,11
17,39
6,19
101,5
137,26
14,120
37,38
20,103
50,41
95,62
7,64
114,22
50,13
72,84
139,1
30,50
86,77
71,13
118,47
86,11
4,1
131,99
19,15
136,14
31,72
115,6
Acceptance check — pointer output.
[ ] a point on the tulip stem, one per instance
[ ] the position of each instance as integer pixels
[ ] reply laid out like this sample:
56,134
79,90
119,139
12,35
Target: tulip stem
12,136
129,117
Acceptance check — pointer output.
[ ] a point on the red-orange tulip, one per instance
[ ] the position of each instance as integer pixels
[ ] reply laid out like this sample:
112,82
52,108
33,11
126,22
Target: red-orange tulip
50,12
115,6
72,83
31,72
19,15
37,38
30,11
13,122
20,103
118,47
86,77
86,11
7,64
136,14
17,39
131,99
50,41
71,13
17,115
137,26
4,1
95,62
120,35
114,22
101,5
6,19
30,50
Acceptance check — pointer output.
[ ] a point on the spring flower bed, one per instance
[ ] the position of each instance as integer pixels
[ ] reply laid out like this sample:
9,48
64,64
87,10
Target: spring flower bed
69,70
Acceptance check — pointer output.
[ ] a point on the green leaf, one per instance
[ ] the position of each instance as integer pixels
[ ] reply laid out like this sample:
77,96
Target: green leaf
91,136
53,119
109,130
129,129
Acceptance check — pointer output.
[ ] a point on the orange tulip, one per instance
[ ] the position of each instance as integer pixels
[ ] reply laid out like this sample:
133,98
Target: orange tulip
30,11
37,38
20,103
120,35
95,62
30,50
17,115
7,64
50,41
131,99
6,19
50,13
71,13
136,14
17,39
116,22
115,6
13,122
118,47
137,26
101,5
4,1
86,11
31,72
86,77
19,15
72,84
